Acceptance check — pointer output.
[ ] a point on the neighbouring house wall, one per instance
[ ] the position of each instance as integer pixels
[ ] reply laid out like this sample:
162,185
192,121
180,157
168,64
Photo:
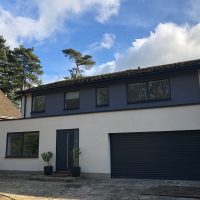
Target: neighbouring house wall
8,110
93,133
184,90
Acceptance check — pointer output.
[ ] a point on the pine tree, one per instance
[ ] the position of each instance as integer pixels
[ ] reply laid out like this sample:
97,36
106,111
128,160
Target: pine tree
82,62
6,72
28,67
19,69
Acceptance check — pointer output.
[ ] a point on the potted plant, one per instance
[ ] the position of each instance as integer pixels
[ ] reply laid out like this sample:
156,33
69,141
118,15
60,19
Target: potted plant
76,170
47,156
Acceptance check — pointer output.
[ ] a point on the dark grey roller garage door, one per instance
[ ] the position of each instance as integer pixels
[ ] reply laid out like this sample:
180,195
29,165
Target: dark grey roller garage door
160,155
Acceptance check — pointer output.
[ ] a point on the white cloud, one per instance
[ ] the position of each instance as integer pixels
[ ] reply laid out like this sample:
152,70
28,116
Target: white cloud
108,9
101,69
51,15
107,42
13,27
46,78
166,44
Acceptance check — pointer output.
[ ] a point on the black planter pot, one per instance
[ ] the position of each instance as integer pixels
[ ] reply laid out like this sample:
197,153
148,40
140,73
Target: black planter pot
76,171
48,170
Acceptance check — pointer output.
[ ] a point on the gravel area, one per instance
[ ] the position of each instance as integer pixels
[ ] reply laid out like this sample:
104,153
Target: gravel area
93,189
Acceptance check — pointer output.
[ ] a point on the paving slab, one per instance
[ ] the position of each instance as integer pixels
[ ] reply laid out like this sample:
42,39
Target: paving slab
174,191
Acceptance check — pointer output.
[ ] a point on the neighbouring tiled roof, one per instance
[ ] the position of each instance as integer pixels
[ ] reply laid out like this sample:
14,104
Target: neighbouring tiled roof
7,109
192,64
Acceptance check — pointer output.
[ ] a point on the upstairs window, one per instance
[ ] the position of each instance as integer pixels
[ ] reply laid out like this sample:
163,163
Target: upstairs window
159,89
72,100
137,92
25,144
102,96
38,104
148,91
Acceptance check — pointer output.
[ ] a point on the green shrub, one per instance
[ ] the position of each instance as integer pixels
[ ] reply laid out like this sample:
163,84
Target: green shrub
47,156
76,153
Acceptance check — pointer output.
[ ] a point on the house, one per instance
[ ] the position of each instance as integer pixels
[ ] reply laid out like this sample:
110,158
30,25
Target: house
7,109
138,123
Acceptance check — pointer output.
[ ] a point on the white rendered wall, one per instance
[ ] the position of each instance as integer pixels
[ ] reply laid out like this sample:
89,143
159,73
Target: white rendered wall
28,105
93,133
28,100
22,106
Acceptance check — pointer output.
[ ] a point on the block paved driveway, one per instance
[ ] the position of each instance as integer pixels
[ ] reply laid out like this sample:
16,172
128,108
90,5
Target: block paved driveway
90,189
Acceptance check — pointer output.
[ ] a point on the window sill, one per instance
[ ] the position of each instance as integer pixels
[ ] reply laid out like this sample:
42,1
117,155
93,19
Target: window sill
21,157
35,112
66,109
99,106
149,101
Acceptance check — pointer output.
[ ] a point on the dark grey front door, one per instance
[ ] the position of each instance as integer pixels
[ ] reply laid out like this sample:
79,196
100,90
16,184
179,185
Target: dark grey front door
64,149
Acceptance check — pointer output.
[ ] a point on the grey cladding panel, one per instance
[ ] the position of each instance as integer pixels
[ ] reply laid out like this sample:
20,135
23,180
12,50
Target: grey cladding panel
184,90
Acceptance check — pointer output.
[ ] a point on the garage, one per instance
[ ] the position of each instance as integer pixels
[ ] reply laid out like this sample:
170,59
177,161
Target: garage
156,155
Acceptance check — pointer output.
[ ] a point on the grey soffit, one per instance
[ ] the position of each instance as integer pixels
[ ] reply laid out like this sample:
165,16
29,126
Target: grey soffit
193,64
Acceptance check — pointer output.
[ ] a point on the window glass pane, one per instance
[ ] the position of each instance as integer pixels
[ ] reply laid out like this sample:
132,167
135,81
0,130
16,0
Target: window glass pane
72,100
14,145
102,96
31,144
38,103
23,144
159,89
137,92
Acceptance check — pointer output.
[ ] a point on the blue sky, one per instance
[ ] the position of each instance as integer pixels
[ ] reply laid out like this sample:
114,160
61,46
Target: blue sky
119,34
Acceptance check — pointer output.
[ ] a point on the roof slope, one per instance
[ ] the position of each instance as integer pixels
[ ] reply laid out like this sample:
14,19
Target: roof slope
7,109
187,65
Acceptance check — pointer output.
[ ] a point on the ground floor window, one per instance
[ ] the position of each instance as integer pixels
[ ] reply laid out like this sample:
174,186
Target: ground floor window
23,144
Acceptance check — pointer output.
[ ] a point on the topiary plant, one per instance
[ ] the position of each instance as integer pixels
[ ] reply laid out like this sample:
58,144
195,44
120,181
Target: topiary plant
76,153
47,156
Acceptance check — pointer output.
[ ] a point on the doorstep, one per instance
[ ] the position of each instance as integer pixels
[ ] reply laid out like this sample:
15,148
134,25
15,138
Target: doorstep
62,174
